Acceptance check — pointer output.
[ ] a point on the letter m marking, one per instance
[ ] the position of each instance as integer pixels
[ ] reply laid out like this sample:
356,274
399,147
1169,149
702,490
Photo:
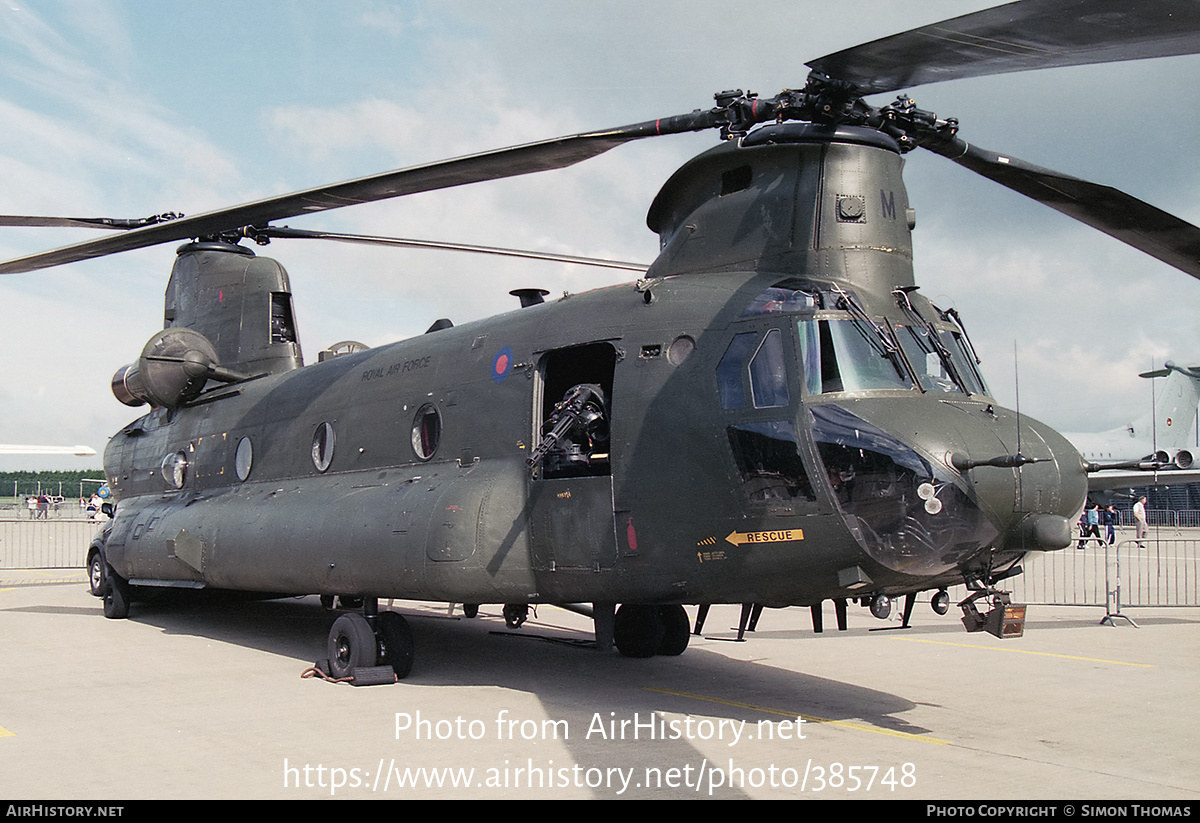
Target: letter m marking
888,200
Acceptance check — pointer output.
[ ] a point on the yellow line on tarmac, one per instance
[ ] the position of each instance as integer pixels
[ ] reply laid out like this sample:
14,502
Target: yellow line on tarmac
1027,651
6,733
808,718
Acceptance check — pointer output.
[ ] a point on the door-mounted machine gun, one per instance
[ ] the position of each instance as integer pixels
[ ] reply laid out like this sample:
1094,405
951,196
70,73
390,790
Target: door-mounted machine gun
576,427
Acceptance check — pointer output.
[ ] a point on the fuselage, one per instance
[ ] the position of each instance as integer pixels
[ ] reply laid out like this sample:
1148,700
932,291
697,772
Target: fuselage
783,420
728,477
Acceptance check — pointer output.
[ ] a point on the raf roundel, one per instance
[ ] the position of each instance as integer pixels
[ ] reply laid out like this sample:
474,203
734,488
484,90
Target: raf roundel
502,364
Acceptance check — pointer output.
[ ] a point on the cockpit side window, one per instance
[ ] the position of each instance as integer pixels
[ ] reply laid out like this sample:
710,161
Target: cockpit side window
768,373
730,370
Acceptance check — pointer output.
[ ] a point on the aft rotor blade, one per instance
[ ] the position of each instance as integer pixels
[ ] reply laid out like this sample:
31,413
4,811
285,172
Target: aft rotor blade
1030,34
85,222
1112,211
283,232
491,165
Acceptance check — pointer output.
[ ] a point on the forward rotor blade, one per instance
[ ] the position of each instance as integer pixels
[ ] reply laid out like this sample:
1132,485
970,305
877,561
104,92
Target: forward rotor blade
1112,211
1030,34
283,232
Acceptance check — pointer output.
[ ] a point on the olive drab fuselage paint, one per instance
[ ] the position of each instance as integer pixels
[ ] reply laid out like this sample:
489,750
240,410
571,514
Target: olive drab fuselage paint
775,416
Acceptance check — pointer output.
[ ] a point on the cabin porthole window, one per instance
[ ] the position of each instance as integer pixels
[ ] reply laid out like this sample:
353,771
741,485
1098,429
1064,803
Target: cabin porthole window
243,458
426,431
680,350
322,447
174,469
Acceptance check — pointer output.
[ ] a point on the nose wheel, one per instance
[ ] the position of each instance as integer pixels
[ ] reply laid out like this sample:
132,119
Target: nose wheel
881,606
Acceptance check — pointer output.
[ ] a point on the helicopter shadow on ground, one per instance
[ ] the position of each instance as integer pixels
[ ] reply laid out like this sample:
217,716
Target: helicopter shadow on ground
585,690
51,610
542,659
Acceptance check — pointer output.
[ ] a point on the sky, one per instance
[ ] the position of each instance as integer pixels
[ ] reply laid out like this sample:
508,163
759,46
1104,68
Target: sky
125,109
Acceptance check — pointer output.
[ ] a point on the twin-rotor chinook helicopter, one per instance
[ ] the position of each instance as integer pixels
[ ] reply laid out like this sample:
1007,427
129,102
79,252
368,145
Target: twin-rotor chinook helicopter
771,415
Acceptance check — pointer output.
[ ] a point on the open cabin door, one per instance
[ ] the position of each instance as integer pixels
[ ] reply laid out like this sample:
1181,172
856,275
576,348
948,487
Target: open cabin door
571,492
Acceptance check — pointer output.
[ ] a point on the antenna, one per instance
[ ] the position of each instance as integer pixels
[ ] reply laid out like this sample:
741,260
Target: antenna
1153,418
1017,390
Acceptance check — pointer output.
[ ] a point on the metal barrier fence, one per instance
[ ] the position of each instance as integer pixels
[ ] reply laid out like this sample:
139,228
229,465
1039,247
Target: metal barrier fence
1167,518
68,509
1157,571
45,544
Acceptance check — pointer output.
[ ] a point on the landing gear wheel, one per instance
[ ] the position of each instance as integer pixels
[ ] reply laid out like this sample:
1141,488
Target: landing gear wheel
397,644
96,576
940,602
676,630
470,610
881,606
515,614
351,644
116,595
638,630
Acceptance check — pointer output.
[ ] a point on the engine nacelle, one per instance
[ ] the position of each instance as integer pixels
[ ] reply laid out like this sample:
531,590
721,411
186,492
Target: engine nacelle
1183,459
174,367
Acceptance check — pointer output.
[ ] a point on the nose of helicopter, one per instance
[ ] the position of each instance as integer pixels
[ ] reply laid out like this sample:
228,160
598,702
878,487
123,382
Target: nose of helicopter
943,483
1025,475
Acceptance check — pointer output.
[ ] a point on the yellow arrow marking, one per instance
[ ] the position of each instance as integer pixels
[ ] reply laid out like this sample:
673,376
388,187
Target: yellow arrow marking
781,536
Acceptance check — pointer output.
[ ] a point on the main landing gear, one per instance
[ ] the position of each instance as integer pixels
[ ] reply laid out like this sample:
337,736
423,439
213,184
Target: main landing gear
377,647
636,630
644,631
116,595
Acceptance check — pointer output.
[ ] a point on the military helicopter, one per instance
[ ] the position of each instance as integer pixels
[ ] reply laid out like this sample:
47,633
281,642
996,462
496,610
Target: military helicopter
772,414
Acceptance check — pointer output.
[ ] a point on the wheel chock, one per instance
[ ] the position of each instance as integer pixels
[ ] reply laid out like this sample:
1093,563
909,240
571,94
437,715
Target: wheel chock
362,676
372,676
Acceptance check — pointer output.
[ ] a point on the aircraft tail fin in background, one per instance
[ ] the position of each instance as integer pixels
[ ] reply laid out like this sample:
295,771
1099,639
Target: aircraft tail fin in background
1170,426
1163,437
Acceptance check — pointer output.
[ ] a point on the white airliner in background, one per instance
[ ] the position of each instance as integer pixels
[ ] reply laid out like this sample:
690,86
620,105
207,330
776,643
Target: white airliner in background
1164,437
